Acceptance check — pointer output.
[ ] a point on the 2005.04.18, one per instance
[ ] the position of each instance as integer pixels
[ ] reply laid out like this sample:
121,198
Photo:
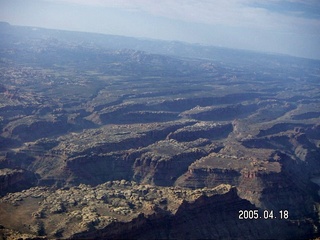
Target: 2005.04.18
266,214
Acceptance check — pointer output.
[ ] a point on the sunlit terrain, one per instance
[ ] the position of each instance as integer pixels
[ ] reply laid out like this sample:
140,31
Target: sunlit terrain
110,137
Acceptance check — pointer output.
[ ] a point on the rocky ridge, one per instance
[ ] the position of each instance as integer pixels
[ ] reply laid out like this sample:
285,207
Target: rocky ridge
121,209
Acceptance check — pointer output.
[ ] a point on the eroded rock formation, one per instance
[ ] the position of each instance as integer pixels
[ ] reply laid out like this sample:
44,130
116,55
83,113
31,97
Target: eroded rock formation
101,142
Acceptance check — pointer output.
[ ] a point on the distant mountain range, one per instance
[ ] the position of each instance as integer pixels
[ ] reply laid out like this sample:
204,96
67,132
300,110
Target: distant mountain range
13,35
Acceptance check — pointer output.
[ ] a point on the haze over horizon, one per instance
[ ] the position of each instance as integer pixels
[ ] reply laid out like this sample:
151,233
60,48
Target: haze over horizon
287,27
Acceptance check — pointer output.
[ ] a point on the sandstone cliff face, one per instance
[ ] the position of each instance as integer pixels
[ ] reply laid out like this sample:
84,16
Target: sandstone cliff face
210,177
13,180
95,169
29,129
201,130
265,184
220,113
163,162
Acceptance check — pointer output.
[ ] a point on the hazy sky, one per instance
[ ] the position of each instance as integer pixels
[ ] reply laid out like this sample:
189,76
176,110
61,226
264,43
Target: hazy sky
283,26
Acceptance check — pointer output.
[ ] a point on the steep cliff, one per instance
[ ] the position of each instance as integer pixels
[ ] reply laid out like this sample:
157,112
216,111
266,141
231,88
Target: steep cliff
13,180
126,210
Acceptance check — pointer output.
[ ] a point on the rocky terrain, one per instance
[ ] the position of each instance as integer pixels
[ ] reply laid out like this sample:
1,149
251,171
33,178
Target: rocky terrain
99,141
123,209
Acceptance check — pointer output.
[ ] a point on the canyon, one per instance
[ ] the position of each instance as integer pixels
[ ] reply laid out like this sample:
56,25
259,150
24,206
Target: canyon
102,139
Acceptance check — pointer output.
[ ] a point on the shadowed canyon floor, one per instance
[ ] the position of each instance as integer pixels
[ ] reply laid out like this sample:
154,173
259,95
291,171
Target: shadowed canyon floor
102,141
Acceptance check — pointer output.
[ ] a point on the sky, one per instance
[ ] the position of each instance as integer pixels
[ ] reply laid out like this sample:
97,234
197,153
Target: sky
277,26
